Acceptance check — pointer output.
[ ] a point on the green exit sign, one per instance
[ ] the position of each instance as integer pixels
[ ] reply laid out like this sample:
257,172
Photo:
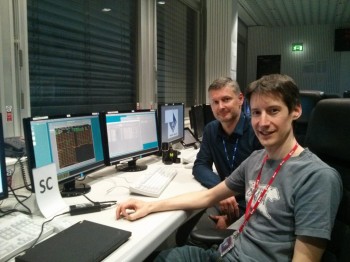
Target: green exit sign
297,47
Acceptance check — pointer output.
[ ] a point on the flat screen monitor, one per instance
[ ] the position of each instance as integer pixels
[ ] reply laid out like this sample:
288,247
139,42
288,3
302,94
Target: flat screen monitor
129,136
171,119
246,107
198,121
73,143
189,138
342,39
3,180
208,113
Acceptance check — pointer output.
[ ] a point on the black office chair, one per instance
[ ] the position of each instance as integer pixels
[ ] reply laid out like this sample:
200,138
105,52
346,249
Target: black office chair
308,100
328,136
329,95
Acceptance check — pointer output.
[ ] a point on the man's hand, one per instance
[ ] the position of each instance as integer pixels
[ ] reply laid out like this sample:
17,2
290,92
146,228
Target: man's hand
132,209
221,221
229,206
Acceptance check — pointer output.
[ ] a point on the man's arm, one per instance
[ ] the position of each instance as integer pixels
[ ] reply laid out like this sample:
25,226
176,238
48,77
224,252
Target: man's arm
204,174
203,165
309,249
194,200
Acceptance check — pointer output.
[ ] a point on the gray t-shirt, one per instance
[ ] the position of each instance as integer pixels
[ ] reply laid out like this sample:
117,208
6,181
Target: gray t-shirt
302,200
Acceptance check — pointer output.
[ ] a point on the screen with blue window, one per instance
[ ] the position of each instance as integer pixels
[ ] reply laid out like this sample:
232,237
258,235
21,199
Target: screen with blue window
73,143
129,136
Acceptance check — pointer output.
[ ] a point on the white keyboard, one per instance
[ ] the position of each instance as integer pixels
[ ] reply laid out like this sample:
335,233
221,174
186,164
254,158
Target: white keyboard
153,183
17,233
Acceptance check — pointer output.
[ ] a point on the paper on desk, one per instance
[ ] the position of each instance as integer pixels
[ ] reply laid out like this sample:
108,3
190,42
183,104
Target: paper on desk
47,193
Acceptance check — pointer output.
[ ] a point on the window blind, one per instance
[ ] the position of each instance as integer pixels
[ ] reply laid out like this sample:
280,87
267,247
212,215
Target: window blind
80,58
176,53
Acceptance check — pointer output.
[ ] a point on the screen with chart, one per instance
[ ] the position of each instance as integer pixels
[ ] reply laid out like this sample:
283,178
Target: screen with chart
73,143
128,137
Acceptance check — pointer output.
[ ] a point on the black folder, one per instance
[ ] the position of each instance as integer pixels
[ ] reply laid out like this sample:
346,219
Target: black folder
84,241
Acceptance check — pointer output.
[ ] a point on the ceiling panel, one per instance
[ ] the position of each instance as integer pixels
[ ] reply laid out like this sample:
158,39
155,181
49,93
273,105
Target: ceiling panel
279,13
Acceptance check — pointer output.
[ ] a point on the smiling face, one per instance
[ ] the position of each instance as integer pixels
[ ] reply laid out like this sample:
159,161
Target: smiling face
272,122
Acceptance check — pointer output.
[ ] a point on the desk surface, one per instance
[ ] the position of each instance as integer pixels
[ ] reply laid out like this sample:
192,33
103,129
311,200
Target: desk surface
147,233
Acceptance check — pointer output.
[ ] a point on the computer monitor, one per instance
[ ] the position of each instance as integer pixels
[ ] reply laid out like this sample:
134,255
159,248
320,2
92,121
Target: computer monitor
171,120
189,139
128,136
208,114
3,174
73,143
246,107
198,121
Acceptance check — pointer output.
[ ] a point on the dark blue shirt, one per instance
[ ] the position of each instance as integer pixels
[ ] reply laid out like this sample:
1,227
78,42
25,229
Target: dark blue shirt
212,150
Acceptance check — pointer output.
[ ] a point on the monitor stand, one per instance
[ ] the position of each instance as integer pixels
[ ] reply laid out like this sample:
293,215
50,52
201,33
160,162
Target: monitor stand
71,189
131,166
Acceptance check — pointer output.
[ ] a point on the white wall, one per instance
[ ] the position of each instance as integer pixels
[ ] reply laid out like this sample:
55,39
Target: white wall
221,40
318,67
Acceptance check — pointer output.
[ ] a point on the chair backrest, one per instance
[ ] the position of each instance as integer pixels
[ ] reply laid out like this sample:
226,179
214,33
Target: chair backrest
346,94
308,100
328,136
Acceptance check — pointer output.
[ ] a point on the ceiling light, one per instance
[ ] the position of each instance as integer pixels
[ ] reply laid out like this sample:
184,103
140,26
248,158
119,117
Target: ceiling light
161,2
106,9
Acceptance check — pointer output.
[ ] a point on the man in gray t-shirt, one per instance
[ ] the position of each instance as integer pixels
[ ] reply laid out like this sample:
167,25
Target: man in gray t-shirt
289,206
292,196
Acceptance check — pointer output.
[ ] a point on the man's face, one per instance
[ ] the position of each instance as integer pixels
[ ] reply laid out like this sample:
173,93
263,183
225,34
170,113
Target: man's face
226,104
271,120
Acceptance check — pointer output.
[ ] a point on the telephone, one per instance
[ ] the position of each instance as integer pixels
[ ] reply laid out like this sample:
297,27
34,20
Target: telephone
15,147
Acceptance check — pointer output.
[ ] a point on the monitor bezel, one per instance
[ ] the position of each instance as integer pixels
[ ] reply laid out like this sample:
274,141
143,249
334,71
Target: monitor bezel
115,160
159,113
73,174
4,193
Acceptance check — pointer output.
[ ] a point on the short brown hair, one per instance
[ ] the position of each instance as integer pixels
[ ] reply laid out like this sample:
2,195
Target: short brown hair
277,84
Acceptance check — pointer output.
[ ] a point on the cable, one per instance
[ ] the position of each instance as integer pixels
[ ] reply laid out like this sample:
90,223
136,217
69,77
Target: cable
42,229
23,172
10,173
21,202
113,202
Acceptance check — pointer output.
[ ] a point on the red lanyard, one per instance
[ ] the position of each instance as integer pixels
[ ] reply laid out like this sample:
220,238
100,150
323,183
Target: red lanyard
248,213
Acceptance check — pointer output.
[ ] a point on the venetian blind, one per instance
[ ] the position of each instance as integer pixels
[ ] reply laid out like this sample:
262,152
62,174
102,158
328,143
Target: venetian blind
176,53
80,58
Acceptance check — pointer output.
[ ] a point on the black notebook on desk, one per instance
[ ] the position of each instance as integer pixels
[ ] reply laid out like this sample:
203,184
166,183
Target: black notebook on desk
84,241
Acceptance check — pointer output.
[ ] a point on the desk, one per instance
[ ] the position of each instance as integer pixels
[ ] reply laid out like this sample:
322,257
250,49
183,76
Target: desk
147,233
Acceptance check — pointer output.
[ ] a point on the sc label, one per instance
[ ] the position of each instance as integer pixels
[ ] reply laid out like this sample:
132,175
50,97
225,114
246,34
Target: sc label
45,184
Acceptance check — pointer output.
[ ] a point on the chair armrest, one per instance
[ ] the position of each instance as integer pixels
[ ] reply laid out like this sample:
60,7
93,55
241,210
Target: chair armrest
210,236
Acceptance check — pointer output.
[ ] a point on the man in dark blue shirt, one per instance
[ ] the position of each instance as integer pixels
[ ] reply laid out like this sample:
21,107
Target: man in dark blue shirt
227,141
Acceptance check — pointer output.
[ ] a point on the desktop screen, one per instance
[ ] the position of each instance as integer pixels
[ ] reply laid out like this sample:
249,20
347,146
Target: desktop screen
171,120
129,136
73,143
246,107
208,114
3,174
198,121
189,138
